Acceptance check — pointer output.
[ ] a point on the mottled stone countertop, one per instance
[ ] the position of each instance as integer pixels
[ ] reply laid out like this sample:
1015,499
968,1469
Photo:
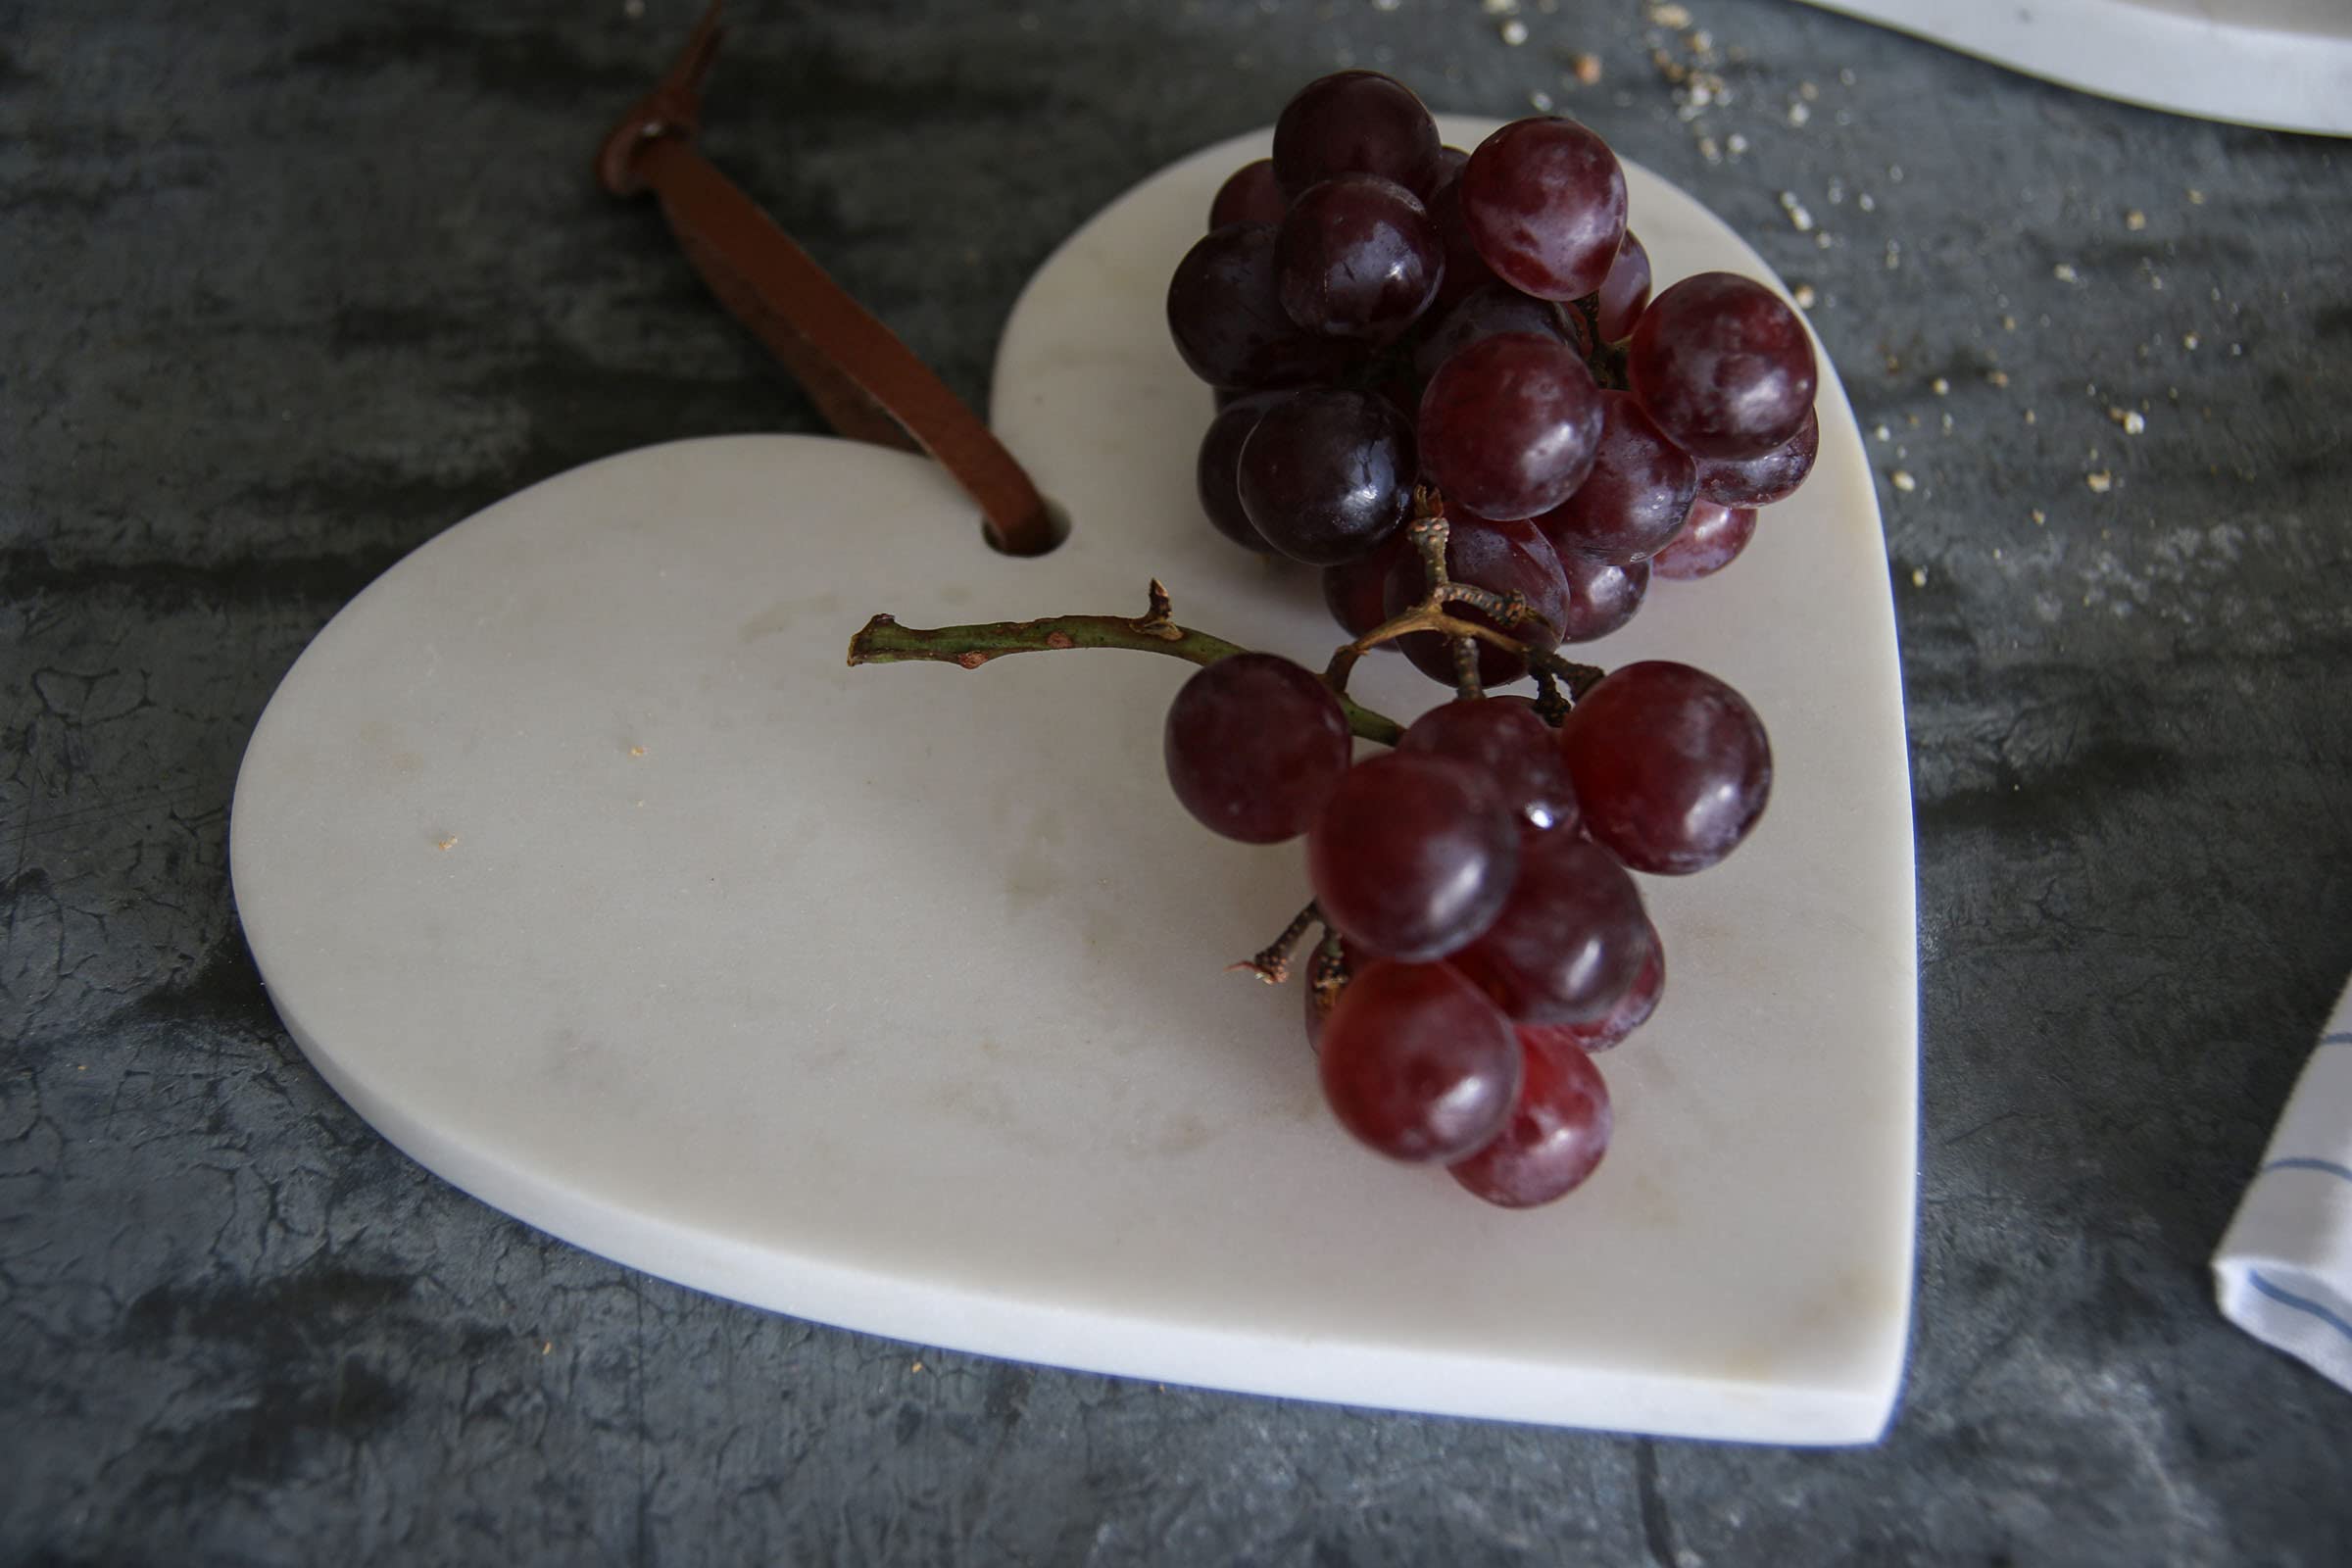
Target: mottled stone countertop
285,290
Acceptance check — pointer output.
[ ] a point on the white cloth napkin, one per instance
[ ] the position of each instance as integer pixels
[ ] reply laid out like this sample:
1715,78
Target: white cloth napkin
2284,1270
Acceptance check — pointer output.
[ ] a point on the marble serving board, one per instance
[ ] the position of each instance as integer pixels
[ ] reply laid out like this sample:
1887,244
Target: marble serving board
581,865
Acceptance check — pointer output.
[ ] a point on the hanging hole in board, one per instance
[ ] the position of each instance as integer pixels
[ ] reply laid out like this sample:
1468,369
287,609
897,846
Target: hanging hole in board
1056,532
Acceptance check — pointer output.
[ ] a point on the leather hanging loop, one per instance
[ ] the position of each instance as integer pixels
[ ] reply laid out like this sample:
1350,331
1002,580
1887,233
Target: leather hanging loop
867,384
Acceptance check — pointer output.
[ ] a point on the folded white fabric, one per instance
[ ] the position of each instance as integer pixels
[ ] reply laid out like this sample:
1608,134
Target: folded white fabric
2285,1269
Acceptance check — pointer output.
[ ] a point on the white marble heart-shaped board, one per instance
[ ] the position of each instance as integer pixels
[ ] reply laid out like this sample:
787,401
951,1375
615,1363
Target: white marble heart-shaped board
581,864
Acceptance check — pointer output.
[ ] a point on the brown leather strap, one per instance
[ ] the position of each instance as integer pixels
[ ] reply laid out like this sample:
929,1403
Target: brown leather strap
866,383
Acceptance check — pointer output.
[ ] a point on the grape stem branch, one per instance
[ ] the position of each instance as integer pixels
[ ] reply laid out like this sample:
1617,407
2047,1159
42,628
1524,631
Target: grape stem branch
883,641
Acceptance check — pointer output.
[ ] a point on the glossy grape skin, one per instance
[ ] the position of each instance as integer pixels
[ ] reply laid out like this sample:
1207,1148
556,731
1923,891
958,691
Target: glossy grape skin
1544,202
1554,1138
1481,315
1603,594
1711,540
1611,1029
1327,474
1355,592
1225,314
1358,257
1249,195
1625,291
1216,471
1724,366
1671,766
1355,123
1569,940
1466,271
1255,747
1509,426
1761,481
1511,748
1637,495
1412,855
1500,557
1417,1065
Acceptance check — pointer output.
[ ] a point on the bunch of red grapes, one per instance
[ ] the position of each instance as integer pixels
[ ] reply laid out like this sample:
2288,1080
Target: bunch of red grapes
1378,315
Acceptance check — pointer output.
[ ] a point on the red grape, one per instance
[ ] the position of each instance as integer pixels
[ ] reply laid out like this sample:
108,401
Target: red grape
1484,314
1511,746
1255,747
1710,541
1635,496
1412,855
1358,257
1625,291
1355,592
1249,195
1671,766
1570,939
1327,474
1554,1138
1502,557
1608,1031
1760,481
1417,1065
1544,202
1355,123
1216,471
1225,314
1724,366
1603,594
1510,424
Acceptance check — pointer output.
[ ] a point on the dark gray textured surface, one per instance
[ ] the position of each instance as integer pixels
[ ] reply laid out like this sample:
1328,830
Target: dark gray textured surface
284,292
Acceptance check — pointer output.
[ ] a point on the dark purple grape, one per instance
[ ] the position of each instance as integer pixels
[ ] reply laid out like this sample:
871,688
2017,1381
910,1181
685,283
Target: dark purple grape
1355,123
1355,592
1225,314
1557,1131
1417,1065
1466,271
1249,195
1483,315
1450,160
1761,481
1502,557
1625,291
1216,471
1327,474
1411,856
1711,540
1671,766
1544,202
1510,424
1724,366
1603,594
1255,747
1637,495
1608,1031
1358,257
1511,748
1569,940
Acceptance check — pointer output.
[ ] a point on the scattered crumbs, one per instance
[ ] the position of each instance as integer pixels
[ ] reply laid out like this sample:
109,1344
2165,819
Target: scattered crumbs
917,1367
1940,387
1846,76
1799,114
1894,254
1735,143
1913,419
1996,378
636,751
1996,551
1948,424
1893,365
1836,192
2100,481
547,1346
1903,481
1709,151
2029,420
1804,296
1514,32
1894,173
1499,7
2039,518
2238,350
1670,16
1807,91
2189,341
1822,241
1867,202
1919,575
1540,101
1798,218
448,843
2064,272
1883,433
1585,69
2133,422
2196,198
2008,324
2135,219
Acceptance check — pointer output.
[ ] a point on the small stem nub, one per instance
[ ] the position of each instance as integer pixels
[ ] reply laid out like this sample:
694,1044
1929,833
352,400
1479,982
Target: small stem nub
1272,963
